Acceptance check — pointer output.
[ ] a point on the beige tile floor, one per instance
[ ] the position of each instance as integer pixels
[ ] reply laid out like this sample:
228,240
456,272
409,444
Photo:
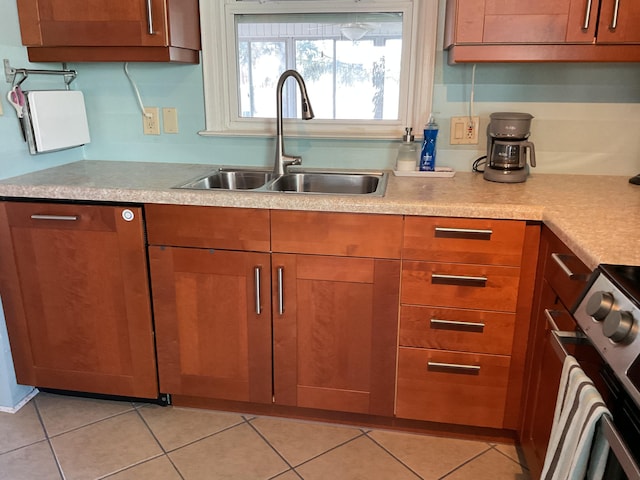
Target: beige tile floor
59,437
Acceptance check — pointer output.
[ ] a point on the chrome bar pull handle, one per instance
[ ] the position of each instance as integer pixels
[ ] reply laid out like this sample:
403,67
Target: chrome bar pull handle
587,15
559,259
454,368
59,218
620,450
257,271
614,20
281,291
467,233
457,325
150,29
460,280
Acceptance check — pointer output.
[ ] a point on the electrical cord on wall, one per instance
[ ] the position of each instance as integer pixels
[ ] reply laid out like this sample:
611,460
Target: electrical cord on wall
135,89
472,95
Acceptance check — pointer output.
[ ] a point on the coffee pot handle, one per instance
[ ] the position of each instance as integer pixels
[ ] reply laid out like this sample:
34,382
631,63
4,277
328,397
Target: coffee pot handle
532,152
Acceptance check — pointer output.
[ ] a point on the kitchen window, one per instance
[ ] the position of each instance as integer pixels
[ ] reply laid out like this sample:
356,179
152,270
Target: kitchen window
367,64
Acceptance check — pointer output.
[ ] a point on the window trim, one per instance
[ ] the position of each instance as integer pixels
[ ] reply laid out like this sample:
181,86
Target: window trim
220,72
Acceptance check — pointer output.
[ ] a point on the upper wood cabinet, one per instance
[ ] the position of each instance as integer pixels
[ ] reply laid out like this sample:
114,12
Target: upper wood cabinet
114,31
542,30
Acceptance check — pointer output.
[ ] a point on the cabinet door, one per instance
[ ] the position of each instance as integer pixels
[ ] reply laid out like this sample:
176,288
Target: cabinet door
534,21
213,322
335,332
75,291
619,22
92,23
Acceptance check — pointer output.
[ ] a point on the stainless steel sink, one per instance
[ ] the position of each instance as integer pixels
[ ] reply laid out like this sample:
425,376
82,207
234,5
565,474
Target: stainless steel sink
299,181
336,183
228,179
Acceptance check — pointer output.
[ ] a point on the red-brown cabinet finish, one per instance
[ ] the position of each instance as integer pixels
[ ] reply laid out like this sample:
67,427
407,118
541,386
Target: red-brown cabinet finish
213,322
542,31
75,291
335,331
464,314
117,30
555,293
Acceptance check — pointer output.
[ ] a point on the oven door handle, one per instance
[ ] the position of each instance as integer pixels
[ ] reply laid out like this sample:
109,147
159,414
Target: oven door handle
558,340
622,453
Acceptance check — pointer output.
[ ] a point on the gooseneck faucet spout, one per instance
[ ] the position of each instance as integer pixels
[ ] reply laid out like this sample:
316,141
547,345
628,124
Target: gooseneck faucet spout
283,160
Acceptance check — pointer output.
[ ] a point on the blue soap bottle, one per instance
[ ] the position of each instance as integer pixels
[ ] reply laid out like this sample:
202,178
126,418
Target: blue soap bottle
428,153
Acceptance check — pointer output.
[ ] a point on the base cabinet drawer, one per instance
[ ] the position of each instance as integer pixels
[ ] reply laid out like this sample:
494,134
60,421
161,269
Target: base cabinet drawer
477,331
463,240
485,287
452,387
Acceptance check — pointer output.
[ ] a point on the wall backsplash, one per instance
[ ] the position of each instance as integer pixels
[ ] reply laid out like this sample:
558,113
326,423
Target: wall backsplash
587,116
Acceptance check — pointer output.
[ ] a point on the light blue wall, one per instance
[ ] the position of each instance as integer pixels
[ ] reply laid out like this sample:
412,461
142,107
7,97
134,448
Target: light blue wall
566,138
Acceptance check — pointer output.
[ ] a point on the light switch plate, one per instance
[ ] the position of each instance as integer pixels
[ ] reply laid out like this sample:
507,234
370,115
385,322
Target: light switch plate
170,120
464,130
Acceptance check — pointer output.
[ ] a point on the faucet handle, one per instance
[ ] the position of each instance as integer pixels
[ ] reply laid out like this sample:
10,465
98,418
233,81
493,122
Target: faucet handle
288,160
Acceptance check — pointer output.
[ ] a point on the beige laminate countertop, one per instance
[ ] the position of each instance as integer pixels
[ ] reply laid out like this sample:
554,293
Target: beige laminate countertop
596,216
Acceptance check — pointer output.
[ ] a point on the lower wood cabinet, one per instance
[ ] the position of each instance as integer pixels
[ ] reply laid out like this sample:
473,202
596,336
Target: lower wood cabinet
74,286
555,293
335,330
464,317
213,322
310,324
452,387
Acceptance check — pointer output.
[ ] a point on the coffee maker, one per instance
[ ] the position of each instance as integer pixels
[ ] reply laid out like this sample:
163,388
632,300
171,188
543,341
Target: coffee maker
507,147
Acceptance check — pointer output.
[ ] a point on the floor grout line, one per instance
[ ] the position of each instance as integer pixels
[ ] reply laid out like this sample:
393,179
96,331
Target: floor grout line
517,462
475,457
259,433
391,453
48,438
164,451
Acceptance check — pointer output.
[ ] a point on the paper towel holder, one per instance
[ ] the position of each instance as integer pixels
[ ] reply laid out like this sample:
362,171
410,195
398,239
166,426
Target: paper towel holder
12,74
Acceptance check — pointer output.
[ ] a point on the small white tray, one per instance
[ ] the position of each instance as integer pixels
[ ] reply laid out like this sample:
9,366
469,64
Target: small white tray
440,172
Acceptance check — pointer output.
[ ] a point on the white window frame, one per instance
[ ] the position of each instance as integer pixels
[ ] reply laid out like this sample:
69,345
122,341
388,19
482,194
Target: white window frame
220,72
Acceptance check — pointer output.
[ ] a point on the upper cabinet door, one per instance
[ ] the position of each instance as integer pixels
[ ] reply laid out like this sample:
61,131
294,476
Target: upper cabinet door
619,22
535,21
542,31
95,22
113,31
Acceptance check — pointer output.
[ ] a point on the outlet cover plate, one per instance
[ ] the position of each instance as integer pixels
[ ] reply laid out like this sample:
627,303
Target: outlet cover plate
151,124
464,130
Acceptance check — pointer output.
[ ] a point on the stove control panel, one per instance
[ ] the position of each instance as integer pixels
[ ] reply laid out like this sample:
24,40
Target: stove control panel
611,321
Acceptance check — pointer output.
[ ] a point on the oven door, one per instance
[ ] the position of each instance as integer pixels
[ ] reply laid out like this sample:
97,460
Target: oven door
624,443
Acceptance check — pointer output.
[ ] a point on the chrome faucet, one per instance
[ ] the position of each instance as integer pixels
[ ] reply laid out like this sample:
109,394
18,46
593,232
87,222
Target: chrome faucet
282,160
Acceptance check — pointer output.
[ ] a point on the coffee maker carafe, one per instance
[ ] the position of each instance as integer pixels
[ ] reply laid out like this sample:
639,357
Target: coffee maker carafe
507,147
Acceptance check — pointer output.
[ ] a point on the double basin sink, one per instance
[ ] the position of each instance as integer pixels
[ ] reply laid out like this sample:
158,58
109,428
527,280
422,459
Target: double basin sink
299,181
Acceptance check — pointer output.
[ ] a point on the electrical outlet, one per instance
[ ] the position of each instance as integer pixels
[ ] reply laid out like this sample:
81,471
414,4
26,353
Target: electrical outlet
464,130
151,124
170,120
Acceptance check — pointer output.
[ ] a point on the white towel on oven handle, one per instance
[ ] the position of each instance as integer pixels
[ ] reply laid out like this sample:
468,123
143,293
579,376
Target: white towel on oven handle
577,447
